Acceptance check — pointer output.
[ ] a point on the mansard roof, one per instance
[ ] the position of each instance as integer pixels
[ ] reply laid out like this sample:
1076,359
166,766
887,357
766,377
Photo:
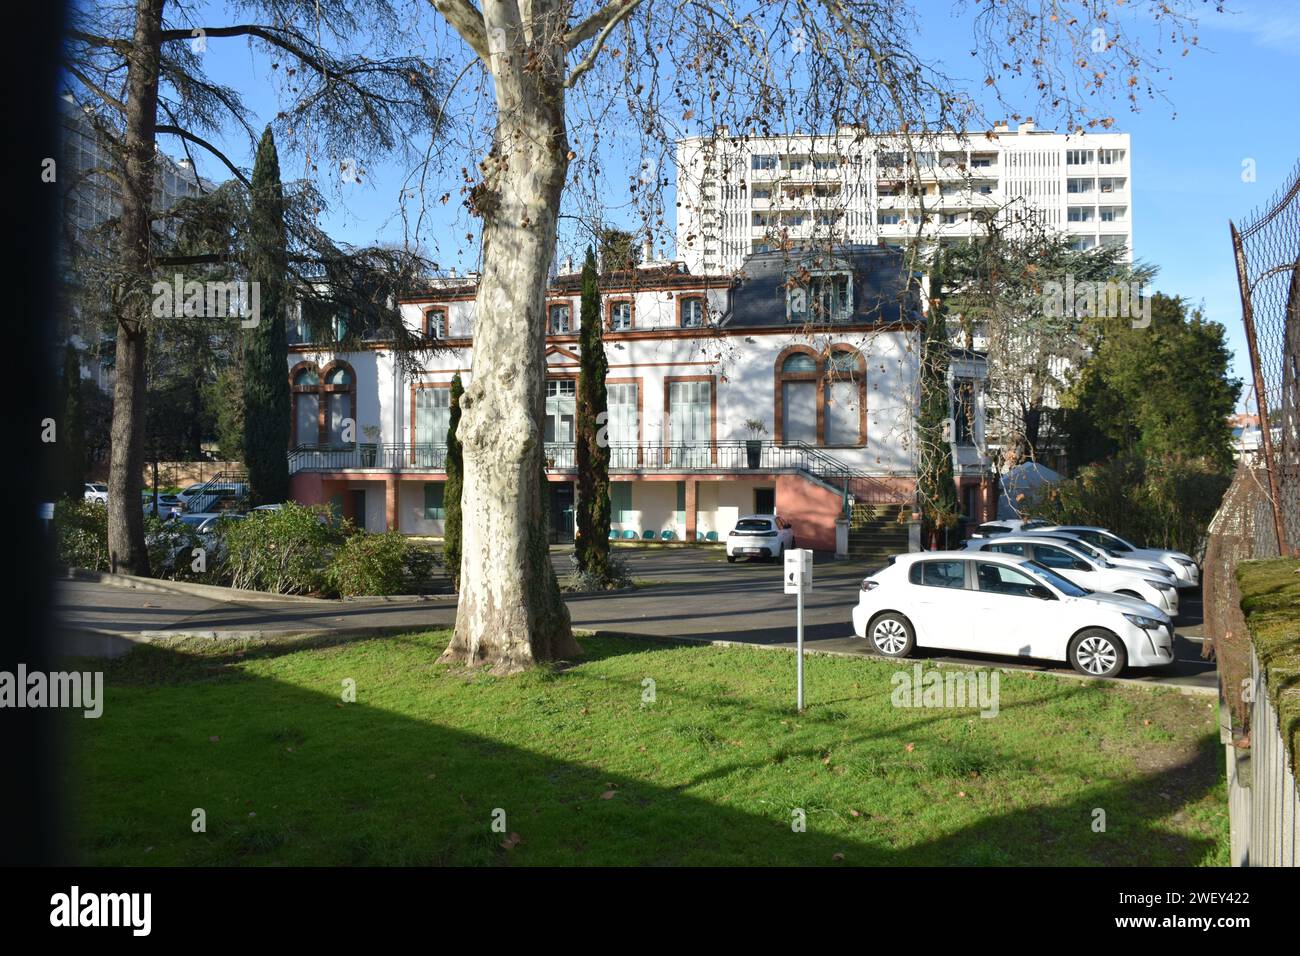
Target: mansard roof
883,290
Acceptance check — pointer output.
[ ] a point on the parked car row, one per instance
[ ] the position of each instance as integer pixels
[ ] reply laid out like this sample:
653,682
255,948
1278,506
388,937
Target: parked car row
1074,593
1007,604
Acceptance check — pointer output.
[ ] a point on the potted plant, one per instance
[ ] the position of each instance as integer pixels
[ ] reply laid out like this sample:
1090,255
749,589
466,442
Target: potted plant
754,444
370,449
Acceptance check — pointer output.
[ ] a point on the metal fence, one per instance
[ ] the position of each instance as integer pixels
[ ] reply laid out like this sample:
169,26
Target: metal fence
1262,797
1267,252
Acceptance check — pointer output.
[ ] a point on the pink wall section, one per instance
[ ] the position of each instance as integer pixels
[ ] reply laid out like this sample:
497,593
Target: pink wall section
307,488
812,510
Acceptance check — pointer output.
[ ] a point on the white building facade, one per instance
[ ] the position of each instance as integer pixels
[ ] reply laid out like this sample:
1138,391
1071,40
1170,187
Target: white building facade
727,396
738,196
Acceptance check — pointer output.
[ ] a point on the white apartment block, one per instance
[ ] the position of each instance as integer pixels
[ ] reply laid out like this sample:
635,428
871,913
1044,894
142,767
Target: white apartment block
91,197
740,195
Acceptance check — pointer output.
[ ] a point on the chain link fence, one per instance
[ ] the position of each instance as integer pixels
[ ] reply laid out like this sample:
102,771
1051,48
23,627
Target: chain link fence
1267,251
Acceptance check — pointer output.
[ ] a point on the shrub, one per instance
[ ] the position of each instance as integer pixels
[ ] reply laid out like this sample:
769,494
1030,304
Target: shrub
81,534
1163,504
286,551
171,547
617,576
370,564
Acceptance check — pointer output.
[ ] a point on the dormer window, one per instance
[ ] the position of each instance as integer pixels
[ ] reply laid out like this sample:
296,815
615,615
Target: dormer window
557,320
820,295
692,312
435,323
620,315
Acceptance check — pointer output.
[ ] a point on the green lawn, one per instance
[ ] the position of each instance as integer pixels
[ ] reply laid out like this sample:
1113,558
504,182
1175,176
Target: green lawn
587,772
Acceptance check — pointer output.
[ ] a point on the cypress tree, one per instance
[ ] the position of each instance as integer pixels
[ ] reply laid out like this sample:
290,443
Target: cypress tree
936,491
592,453
452,490
72,437
266,346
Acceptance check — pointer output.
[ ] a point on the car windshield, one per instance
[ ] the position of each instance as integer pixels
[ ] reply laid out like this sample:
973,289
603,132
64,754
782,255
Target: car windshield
1091,551
1118,543
1055,580
194,520
754,524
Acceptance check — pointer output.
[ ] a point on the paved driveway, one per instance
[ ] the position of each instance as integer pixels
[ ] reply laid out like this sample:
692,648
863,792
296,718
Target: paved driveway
704,597
695,594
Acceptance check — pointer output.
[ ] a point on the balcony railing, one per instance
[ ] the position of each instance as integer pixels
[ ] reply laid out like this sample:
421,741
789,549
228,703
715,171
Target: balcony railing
624,458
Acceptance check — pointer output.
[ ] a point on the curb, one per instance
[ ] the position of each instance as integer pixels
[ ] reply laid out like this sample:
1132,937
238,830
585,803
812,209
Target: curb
116,643
241,595
193,588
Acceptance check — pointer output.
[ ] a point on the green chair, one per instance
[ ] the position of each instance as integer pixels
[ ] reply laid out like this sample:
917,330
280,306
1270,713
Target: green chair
648,535
613,534
699,536
667,536
711,536
629,535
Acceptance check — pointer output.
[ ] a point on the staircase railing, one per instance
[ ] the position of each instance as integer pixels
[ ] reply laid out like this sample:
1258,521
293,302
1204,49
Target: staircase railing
224,491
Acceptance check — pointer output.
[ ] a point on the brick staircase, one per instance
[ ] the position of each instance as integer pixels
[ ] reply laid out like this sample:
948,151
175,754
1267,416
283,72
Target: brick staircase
876,532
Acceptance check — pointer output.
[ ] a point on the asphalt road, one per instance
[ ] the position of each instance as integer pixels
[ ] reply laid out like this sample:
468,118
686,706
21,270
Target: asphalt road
689,594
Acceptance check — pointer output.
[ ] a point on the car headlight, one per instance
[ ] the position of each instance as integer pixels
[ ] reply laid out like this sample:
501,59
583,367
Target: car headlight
1146,623
869,585
1185,562
1162,586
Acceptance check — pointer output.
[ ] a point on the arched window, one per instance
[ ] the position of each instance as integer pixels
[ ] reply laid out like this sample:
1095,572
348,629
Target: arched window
323,404
820,398
339,405
798,417
844,395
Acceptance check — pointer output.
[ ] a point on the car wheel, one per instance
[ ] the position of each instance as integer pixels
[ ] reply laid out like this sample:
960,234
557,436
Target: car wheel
1097,653
891,634
731,559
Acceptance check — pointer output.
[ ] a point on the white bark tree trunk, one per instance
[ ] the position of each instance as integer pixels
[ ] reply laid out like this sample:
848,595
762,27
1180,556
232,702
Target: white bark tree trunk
511,614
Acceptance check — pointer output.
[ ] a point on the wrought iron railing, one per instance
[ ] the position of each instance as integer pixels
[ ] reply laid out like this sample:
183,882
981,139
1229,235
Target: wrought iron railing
719,456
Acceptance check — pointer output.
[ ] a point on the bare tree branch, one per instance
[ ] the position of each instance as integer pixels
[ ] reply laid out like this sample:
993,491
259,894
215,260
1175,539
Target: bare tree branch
466,20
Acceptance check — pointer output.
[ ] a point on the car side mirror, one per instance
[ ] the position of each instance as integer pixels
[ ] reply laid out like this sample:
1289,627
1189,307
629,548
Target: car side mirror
1042,592
1082,566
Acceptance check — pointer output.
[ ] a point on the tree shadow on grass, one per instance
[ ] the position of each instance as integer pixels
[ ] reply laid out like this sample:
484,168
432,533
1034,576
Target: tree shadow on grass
287,773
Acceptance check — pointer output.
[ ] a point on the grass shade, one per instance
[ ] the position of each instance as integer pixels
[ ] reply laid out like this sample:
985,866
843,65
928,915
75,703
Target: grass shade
641,753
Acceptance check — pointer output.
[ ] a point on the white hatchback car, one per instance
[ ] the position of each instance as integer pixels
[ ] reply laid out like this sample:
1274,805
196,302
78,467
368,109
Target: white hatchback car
1008,605
97,492
760,536
1183,566
1067,559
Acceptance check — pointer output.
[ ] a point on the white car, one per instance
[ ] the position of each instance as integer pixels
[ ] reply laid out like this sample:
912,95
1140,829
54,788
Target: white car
1184,567
1007,605
1151,568
1093,574
990,529
96,492
760,536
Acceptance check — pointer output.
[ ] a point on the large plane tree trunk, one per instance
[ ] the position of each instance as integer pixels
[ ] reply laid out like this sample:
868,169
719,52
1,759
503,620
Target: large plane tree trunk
126,547
511,614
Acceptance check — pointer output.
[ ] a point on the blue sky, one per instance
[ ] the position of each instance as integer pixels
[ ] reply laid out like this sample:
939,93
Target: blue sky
1232,101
